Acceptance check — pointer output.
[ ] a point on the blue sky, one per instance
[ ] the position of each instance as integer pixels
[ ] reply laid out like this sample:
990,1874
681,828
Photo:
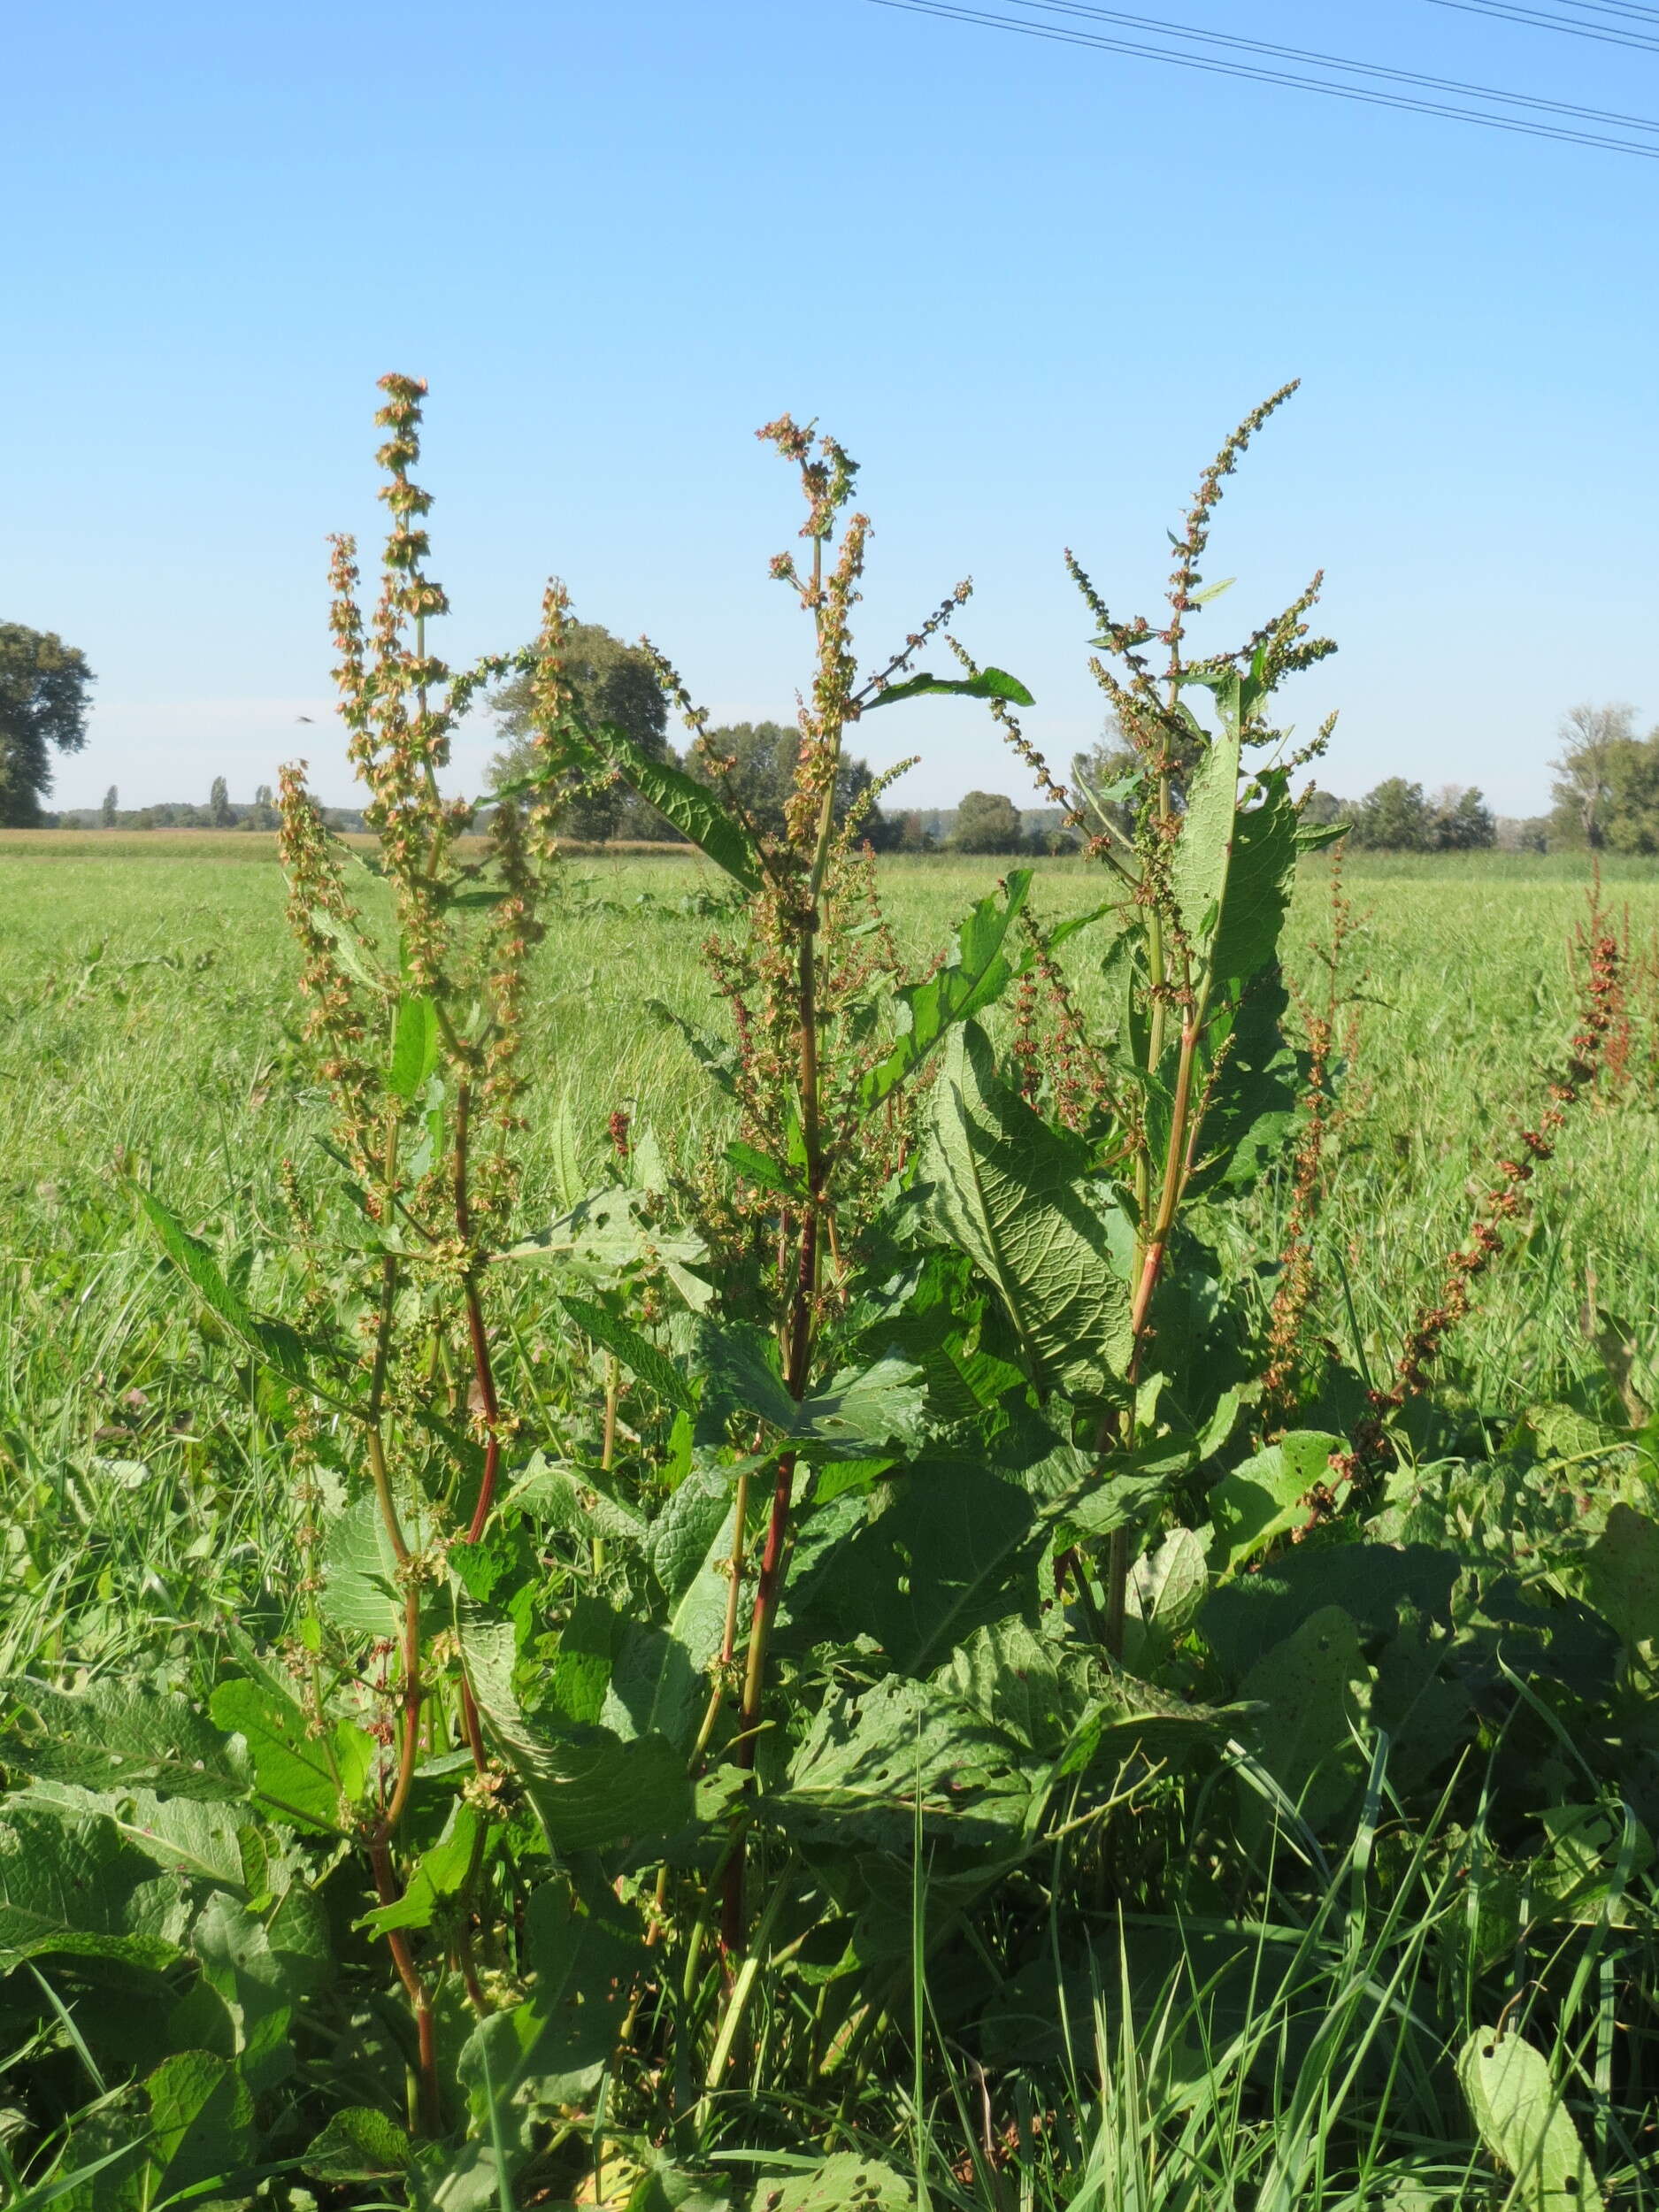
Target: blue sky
1029,288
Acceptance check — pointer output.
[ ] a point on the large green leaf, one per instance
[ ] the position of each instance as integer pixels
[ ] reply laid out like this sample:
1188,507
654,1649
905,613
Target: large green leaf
252,1985
1166,1590
1524,2123
613,1233
657,1683
121,1735
853,1415
955,1547
588,1786
181,1835
692,808
866,1756
1621,1571
1203,850
634,1351
582,1952
1314,1686
415,1043
844,2183
311,1780
1263,1500
1260,876
1012,1192
358,2144
978,976
202,2113
75,1887
440,1873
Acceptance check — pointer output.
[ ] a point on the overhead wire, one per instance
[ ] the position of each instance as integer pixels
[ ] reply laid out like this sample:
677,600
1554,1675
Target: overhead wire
1536,18
1162,28
950,10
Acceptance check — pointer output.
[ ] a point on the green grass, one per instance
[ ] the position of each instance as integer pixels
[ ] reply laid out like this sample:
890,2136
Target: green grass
149,1018
149,1023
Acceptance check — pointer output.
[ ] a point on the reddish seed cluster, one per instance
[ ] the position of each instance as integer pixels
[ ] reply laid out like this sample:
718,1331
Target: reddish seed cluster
1500,1205
1321,1118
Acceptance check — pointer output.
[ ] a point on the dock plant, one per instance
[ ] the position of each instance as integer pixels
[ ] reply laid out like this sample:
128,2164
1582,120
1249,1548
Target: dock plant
787,1605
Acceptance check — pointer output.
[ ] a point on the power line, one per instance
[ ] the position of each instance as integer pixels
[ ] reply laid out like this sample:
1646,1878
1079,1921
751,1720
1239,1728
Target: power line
1534,19
1162,28
1213,65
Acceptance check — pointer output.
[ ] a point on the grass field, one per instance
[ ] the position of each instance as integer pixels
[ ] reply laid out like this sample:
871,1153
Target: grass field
149,1015
149,1029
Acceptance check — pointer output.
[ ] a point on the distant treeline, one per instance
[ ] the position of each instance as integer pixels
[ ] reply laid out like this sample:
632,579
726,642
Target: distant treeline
1606,793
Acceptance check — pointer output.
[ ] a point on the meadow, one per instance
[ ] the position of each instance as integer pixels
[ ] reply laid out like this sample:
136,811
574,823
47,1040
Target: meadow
152,1034
756,1531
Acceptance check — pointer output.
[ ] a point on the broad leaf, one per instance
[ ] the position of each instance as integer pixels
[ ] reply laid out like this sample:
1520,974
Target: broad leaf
978,976
76,1888
181,1835
1621,1571
1203,850
1010,1191
659,1682
844,2183
849,1418
692,808
1314,1686
634,1351
588,1787
414,1046
610,1233
987,683
120,1735
358,2144
440,1873
1261,876
313,1781
1524,2124
1263,1500
955,1547
1166,1590
583,1953
864,1757
201,2115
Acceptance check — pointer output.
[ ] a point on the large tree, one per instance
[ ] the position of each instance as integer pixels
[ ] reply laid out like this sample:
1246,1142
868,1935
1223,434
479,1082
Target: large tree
44,685
1607,783
613,682
987,822
761,776
1393,818
1592,740
1463,822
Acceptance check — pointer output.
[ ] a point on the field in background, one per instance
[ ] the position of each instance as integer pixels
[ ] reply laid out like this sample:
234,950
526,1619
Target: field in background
148,1014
